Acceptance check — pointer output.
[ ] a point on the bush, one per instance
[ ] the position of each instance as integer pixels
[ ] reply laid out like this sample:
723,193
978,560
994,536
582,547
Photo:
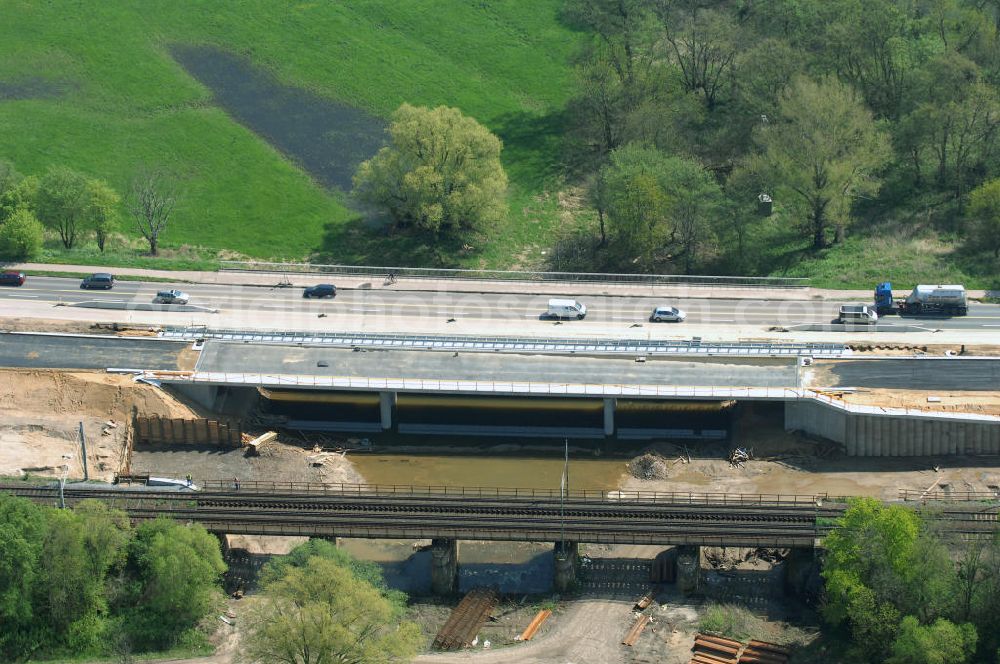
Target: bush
732,621
21,236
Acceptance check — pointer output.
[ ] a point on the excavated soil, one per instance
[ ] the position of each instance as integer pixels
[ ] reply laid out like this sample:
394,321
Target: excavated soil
41,412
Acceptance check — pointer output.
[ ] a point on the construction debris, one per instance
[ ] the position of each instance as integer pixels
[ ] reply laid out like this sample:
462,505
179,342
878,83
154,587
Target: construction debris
255,445
649,466
466,620
645,601
633,634
739,456
533,626
709,649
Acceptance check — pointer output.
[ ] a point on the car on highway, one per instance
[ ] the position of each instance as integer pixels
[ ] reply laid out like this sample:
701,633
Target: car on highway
98,280
320,290
666,313
172,296
10,278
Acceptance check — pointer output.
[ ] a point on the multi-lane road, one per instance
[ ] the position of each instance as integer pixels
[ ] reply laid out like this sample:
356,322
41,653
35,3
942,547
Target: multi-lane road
508,308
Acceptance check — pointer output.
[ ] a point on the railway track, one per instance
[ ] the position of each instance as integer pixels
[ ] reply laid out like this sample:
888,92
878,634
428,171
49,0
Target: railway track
525,518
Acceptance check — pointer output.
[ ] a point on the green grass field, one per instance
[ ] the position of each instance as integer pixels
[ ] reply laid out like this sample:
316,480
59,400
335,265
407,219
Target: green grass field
93,86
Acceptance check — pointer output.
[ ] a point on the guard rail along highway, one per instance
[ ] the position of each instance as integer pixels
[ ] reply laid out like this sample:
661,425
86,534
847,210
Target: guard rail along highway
355,511
513,275
514,344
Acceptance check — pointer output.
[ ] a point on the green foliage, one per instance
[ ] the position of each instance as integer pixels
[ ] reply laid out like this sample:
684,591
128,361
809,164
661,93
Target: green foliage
657,204
80,581
102,210
824,152
62,202
320,611
984,211
179,567
732,621
441,172
939,643
21,235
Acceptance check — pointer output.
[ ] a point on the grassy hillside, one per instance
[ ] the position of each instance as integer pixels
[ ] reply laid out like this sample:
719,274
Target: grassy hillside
93,86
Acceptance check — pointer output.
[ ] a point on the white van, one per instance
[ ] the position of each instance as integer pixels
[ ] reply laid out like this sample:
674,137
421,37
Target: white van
857,313
566,309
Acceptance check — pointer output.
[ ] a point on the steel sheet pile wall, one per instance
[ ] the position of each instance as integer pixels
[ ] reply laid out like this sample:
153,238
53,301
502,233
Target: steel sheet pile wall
166,431
912,434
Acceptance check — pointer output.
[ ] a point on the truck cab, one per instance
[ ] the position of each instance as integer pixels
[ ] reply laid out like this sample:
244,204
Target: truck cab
883,298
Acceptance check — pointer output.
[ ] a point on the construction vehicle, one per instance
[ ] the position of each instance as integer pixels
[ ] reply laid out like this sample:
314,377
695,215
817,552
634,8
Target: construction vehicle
925,300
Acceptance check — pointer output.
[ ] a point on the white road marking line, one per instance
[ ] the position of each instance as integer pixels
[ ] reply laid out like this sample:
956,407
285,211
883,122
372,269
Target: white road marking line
13,295
363,311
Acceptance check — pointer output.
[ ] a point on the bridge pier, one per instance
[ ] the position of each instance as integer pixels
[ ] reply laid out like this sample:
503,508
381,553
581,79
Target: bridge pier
444,566
800,569
609,417
386,408
565,561
688,569
223,543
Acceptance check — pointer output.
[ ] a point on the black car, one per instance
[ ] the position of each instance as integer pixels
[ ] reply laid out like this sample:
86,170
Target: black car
11,278
98,280
320,290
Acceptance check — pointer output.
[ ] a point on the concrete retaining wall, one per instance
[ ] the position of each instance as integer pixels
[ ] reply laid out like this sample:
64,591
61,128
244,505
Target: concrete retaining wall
894,434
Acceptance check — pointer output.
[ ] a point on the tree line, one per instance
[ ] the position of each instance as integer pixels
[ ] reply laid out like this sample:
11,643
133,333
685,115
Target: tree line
838,110
73,206
688,111
906,593
84,581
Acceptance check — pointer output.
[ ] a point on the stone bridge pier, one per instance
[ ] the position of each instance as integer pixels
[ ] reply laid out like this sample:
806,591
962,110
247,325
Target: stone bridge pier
444,566
565,560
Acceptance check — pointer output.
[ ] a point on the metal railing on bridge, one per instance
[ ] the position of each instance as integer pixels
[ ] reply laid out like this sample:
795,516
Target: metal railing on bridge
442,491
514,275
513,344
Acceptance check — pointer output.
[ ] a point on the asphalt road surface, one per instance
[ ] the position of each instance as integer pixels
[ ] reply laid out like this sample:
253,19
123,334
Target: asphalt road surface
728,372
484,306
917,374
58,352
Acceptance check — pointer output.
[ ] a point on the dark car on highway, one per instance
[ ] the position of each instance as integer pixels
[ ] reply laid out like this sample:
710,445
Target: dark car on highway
11,278
98,280
320,290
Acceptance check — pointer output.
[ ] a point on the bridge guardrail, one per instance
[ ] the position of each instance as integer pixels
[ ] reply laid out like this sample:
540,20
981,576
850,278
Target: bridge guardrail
512,344
609,496
514,275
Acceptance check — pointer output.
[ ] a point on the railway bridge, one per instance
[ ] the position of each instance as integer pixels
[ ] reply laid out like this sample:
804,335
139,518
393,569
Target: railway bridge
446,515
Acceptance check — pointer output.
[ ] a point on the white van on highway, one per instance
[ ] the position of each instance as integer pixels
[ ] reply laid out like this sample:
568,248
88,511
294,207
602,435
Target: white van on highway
566,309
857,313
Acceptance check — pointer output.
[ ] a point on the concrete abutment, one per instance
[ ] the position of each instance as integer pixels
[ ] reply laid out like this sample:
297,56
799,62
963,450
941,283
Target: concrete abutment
444,566
565,560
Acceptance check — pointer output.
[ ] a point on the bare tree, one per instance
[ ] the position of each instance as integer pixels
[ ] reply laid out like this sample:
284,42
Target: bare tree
150,200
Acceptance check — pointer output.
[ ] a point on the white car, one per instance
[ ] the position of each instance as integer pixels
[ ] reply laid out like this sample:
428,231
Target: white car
171,297
667,313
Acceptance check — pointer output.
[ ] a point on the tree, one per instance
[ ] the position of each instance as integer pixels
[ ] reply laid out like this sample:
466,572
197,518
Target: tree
702,43
179,568
102,205
62,202
150,200
322,612
825,150
984,211
21,236
21,196
441,172
939,643
655,203
22,530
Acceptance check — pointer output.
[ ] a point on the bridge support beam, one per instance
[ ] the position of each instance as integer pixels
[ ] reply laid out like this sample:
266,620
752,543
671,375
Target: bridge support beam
688,569
444,566
609,416
800,568
386,408
565,560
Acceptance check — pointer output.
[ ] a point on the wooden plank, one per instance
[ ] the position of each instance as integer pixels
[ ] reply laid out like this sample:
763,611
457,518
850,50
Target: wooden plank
633,634
764,645
533,626
729,643
702,658
716,646
213,431
716,657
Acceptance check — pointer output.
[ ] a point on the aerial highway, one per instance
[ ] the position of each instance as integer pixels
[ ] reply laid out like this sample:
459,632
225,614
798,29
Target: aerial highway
386,303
